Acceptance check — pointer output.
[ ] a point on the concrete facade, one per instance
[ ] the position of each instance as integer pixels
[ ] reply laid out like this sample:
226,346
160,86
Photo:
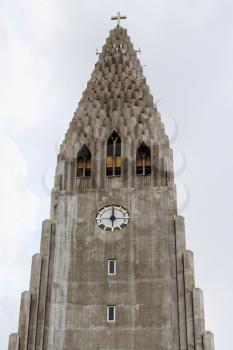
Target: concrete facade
157,303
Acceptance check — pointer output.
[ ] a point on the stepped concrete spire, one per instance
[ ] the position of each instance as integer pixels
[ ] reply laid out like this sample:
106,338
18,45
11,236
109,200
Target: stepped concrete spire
113,271
117,94
118,98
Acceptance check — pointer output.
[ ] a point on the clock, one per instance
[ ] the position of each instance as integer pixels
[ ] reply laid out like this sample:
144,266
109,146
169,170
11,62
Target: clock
112,218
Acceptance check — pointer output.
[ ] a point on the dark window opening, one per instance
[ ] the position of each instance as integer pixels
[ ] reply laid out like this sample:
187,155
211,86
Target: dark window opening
143,160
111,267
139,170
109,171
87,172
147,170
84,162
113,166
117,171
111,313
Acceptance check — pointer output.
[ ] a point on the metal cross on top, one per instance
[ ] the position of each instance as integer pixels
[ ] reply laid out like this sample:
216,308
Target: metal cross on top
118,18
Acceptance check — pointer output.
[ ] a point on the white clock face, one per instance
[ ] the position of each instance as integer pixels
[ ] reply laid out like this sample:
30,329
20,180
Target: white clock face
112,218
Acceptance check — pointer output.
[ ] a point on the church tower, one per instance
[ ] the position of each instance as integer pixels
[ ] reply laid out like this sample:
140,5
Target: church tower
113,272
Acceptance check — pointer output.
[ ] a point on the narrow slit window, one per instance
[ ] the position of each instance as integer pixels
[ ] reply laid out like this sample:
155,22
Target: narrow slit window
111,313
143,160
84,162
113,163
111,266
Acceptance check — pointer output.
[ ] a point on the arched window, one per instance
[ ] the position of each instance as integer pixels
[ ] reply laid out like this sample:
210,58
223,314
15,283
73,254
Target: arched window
84,162
143,160
113,166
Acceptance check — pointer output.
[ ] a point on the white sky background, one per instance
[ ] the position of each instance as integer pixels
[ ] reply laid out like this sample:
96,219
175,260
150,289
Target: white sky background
47,54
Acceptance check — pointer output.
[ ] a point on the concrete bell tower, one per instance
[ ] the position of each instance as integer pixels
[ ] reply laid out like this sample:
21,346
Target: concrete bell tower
113,272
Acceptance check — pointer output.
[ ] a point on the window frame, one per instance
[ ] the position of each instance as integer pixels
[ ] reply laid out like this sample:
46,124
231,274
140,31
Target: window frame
114,313
109,267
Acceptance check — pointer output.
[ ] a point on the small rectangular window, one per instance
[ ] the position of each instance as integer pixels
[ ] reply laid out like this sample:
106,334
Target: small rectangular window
111,313
112,267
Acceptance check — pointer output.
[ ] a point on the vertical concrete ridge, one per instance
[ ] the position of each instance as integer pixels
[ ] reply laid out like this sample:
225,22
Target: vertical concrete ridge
179,228
189,270
170,172
45,237
180,234
47,229
198,314
31,300
13,343
189,284
34,289
24,319
35,272
208,340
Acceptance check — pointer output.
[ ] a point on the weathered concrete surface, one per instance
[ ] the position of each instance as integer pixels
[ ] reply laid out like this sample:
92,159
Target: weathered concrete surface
157,304
13,342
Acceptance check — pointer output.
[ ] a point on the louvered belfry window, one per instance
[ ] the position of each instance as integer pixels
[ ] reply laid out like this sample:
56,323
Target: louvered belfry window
143,160
113,166
84,162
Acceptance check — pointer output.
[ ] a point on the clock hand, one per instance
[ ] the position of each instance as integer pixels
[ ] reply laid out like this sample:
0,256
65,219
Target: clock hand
112,218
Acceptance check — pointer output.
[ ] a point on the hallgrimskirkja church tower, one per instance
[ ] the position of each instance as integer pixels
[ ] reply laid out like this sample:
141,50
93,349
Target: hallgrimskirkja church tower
113,272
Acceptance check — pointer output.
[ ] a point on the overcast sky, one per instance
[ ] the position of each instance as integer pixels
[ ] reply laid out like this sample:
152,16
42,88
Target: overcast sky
47,54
